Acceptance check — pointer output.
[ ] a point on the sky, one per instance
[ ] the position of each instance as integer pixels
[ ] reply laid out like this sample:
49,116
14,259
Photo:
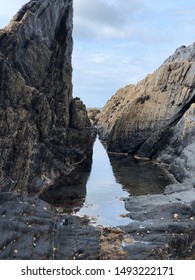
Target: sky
119,42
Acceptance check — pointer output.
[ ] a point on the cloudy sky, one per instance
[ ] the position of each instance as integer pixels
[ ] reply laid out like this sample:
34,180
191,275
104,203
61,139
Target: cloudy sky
118,42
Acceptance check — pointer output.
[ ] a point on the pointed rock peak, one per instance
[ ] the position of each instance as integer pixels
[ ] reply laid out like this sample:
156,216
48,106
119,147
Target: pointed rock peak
39,131
43,19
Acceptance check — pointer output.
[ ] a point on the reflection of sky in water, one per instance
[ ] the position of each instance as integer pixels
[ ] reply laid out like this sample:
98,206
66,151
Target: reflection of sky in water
111,178
115,178
103,192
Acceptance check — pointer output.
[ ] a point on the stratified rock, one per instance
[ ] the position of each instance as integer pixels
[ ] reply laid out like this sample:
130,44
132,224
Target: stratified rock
45,133
156,115
155,119
181,147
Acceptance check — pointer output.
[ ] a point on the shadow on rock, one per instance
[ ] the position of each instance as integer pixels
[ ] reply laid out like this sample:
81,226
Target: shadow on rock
68,196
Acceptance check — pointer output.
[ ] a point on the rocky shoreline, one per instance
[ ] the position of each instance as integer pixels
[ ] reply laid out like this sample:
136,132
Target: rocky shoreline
155,120
163,227
46,142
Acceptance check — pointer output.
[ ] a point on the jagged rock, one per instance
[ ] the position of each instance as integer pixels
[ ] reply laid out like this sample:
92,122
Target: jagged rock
155,115
93,114
79,119
44,132
180,150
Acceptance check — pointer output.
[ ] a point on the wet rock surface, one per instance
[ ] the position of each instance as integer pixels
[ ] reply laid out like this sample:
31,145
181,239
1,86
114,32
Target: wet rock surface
31,229
164,226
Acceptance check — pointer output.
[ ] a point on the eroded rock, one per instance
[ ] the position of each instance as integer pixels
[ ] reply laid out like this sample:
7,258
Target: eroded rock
164,225
32,230
93,114
39,142
156,115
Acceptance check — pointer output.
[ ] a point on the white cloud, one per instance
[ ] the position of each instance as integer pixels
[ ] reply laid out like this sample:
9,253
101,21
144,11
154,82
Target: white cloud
98,19
117,42
124,41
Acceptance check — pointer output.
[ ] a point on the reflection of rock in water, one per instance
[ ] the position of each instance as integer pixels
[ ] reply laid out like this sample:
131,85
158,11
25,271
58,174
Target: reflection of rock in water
139,177
69,196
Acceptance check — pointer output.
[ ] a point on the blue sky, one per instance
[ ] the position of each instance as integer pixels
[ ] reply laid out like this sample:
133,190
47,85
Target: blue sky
118,42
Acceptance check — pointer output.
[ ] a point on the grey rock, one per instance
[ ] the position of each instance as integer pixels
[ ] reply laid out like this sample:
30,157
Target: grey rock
163,225
32,230
39,141
155,118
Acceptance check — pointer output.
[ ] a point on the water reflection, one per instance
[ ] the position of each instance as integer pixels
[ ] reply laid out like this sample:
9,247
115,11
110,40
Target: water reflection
98,191
69,196
139,177
103,201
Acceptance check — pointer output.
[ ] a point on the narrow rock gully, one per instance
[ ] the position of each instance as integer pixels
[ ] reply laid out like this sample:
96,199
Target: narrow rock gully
101,191
135,205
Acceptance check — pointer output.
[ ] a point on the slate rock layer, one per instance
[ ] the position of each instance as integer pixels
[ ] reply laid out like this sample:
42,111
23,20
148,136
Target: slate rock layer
38,143
156,117
32,230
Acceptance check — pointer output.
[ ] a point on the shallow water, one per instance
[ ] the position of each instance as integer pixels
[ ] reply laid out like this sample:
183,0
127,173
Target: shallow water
103,200
100,191
113,178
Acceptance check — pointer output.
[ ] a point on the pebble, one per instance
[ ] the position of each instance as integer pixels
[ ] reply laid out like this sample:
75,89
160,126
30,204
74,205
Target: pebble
175,216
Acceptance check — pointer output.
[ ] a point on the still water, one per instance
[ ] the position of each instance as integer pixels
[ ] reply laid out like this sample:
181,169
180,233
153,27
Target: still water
113,178
100,191
103,200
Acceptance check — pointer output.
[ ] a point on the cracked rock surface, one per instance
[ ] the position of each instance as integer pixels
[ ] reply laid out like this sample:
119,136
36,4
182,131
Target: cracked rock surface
39,142
31,230
155,118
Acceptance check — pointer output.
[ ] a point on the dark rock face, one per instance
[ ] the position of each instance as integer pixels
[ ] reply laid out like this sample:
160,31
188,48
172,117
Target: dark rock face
39,141
155,116
32,230
164,224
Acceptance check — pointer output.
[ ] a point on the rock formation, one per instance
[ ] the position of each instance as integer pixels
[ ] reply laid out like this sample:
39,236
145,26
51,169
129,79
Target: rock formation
93,114
32,230
46,138
156,118
163,225
45,133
